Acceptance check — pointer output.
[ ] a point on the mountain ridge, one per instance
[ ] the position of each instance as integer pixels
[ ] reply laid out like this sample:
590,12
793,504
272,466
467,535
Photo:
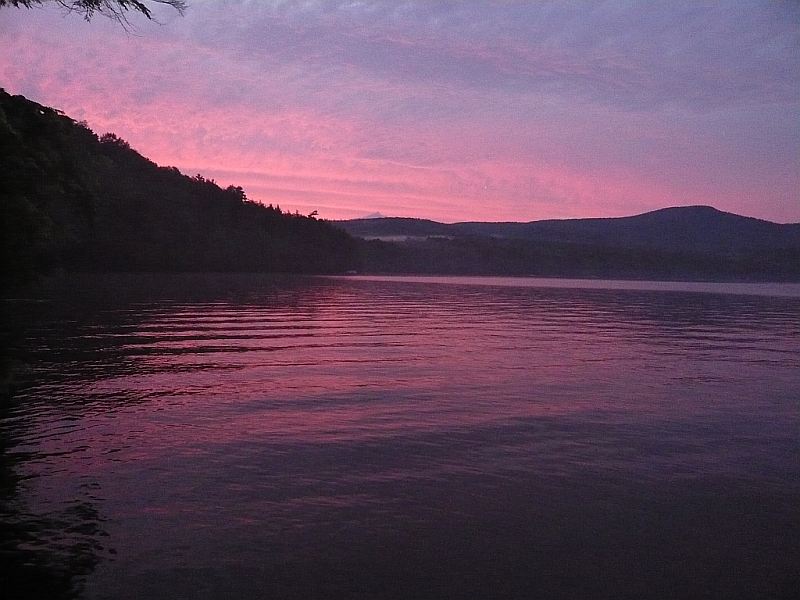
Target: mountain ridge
74,201
698,228
684,243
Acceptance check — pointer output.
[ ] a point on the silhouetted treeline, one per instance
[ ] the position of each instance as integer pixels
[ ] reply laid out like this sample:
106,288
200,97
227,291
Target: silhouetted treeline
71,200
75,201
479,255
688,242
678,229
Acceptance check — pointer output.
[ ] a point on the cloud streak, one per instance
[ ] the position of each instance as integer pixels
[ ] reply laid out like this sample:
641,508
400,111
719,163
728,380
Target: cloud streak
447,110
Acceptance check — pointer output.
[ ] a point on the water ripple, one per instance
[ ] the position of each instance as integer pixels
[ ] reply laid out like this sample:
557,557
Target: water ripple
390,416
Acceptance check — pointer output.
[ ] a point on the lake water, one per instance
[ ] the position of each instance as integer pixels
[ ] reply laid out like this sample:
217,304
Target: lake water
260,437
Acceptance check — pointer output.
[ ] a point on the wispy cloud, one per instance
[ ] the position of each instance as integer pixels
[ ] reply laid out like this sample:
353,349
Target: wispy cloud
448,110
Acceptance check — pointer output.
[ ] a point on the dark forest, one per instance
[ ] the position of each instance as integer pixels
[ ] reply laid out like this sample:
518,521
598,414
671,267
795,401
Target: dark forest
74,201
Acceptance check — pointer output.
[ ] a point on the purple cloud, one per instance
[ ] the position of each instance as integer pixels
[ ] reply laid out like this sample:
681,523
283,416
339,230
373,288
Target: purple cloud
450,110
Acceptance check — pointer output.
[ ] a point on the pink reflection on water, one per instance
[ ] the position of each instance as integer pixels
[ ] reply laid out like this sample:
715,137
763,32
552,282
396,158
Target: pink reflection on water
338,371
354,410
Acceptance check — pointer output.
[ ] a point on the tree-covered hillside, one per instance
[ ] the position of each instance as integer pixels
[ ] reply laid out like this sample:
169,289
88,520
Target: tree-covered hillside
75,201
694,242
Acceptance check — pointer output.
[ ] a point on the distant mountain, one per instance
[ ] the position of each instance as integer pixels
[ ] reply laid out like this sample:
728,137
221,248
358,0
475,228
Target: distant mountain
685,228
75,201
370,227
674,243
682,229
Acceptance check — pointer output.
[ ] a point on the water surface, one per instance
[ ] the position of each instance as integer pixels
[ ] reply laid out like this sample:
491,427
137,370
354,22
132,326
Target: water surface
248,436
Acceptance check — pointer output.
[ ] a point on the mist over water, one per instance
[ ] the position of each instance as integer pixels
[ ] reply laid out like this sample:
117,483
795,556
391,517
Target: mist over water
250,436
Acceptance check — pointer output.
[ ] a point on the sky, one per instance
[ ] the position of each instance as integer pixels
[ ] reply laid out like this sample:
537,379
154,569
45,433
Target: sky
453,111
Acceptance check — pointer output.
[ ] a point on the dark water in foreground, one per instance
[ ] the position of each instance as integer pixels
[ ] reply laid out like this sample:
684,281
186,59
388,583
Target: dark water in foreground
249,437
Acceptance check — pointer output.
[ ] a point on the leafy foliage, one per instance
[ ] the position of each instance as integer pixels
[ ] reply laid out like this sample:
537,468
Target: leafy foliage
75,201
110,8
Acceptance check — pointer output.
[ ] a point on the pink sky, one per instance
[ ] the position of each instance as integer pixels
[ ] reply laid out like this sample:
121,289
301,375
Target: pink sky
450,111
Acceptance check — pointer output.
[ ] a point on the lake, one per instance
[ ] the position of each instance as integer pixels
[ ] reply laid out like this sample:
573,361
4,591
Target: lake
238,436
